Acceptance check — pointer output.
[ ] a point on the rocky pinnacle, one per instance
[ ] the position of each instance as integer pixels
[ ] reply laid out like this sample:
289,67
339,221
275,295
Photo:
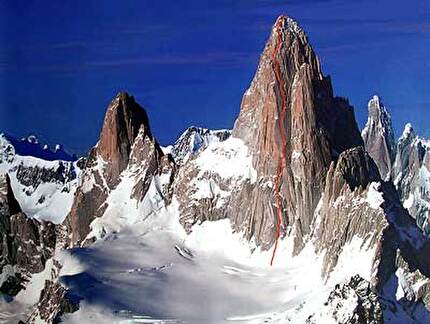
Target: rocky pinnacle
378,136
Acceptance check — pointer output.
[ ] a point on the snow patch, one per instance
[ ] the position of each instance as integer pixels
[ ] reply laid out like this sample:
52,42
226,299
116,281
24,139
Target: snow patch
374,197
229,159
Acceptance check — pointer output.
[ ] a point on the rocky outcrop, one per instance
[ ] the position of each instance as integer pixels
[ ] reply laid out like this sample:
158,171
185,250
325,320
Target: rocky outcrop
358,205
55,300
378,136
125,142
350,207
354,302
406,163
26,244
33,176
291,122
411,174
206,184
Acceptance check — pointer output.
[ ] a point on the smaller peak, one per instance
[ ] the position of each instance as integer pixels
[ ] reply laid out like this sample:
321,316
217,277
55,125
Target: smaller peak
408,132
408,127
377,110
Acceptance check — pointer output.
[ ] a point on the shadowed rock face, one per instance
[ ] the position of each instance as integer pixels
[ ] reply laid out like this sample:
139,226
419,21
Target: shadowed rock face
407,163
316,127
125,141
26,244
378,136
412,177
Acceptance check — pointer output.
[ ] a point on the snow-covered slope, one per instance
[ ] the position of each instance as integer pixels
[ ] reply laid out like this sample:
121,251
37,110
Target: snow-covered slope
205,184
211,275
195,139
44,189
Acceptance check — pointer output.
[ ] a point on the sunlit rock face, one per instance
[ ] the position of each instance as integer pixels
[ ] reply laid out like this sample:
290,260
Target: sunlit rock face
125,142
290,112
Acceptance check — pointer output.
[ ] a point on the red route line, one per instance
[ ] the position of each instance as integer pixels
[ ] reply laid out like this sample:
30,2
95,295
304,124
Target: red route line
281,120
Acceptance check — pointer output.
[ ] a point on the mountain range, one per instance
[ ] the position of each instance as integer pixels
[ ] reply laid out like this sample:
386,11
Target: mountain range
292,216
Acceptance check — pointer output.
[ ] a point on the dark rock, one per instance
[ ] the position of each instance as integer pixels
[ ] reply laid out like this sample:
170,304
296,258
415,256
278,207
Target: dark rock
26,244
351,303
55,301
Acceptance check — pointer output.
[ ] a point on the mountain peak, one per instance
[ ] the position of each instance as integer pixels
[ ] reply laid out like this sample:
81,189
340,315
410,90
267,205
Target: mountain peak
123,121
125,143
378,136
293,127
378,113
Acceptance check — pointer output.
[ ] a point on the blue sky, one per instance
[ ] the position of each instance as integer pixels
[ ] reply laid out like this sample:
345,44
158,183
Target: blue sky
189,62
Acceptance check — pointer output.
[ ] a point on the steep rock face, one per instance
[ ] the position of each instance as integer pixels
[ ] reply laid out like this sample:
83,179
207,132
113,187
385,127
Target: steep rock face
411,174
378,136
350,205
359,211
294,127
125,142
26,243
